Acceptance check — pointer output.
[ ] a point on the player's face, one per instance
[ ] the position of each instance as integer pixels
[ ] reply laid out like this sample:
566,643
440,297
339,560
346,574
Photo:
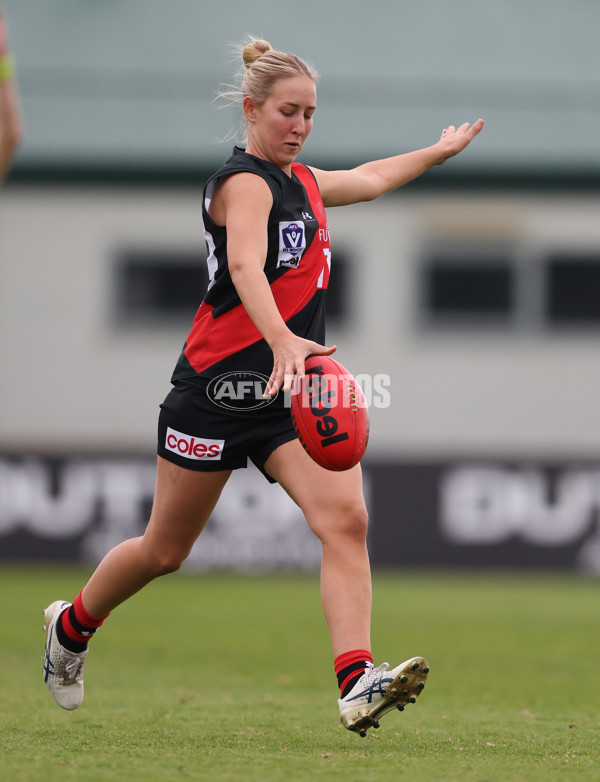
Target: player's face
278,128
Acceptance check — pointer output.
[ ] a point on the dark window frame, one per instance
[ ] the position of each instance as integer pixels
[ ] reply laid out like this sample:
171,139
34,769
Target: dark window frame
492,271
158,286
571,295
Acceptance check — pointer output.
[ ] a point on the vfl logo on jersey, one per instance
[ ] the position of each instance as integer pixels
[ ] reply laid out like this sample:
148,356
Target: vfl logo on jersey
292,243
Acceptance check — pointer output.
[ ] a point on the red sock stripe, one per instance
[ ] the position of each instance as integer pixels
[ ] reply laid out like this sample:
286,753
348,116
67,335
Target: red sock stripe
83,617
70,631
349,658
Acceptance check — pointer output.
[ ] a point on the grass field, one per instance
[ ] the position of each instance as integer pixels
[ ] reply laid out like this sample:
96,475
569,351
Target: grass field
218,677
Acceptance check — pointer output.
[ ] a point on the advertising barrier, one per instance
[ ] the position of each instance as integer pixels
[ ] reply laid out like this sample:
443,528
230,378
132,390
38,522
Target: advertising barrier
476,513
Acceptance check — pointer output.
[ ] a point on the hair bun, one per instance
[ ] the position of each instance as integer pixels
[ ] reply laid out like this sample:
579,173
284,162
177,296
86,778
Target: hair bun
254,50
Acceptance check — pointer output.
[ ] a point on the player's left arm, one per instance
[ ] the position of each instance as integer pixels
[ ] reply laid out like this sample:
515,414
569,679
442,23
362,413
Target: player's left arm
373,179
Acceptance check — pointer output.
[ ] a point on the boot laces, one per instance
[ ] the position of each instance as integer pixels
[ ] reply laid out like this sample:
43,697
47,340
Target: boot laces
72,668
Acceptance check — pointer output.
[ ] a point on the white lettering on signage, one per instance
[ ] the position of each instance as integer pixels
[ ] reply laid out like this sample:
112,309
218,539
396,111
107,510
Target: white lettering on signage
483,505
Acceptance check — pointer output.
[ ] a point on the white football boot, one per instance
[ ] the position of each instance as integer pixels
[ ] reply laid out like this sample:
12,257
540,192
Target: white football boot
380,690
63,670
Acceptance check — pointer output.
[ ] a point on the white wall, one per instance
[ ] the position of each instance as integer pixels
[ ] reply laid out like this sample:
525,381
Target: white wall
71,379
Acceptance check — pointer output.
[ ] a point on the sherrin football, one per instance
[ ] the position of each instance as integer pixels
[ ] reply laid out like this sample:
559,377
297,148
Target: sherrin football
329,414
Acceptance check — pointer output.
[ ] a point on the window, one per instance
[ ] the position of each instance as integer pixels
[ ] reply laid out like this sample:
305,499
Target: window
338,290
159,285
573,290
468,287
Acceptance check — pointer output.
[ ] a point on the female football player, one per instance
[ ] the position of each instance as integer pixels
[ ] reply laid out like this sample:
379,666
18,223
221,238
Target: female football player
269,259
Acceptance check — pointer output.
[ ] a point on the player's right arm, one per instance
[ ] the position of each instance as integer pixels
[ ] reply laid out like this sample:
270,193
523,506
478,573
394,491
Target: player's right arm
243,203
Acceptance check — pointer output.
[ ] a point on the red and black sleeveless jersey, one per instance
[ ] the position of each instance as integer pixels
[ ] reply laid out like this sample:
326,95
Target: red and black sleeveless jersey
223,337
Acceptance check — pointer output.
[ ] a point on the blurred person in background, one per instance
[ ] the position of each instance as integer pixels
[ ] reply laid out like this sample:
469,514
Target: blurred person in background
263,312
10,116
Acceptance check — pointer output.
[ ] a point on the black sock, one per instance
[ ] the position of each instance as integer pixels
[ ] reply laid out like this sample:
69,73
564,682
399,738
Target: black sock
63,638
346,678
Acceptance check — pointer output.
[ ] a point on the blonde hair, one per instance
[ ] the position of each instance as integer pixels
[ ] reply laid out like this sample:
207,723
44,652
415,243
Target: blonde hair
261,67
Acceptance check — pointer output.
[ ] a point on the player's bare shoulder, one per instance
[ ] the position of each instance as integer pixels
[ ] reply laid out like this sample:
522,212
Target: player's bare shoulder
242,189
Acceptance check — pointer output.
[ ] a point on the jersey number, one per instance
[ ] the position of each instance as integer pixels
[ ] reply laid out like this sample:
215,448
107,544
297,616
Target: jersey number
323,280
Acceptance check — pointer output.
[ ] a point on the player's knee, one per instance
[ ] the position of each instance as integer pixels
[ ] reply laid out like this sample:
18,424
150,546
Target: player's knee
348,520
356,521
164,562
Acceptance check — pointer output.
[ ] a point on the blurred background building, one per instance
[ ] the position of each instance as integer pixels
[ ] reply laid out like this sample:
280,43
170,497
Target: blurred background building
468,302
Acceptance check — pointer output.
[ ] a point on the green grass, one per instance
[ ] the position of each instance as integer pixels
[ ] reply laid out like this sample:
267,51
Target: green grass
217,677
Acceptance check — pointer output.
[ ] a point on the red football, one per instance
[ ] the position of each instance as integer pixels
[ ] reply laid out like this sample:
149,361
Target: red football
330,414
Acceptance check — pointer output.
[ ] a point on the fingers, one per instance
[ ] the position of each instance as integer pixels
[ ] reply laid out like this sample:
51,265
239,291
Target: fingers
455,140
313,349
321,350
282,378
288,380
273,383
476,127
285,370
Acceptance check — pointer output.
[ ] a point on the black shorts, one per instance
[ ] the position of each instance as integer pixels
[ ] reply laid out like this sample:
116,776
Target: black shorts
195,433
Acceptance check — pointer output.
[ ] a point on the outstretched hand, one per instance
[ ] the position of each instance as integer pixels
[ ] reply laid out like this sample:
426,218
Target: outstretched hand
454,140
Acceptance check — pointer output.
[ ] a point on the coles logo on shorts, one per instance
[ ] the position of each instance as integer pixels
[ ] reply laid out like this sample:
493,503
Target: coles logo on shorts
193,447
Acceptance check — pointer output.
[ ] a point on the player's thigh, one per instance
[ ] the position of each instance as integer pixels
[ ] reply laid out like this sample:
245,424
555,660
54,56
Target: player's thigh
325,497
183,502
